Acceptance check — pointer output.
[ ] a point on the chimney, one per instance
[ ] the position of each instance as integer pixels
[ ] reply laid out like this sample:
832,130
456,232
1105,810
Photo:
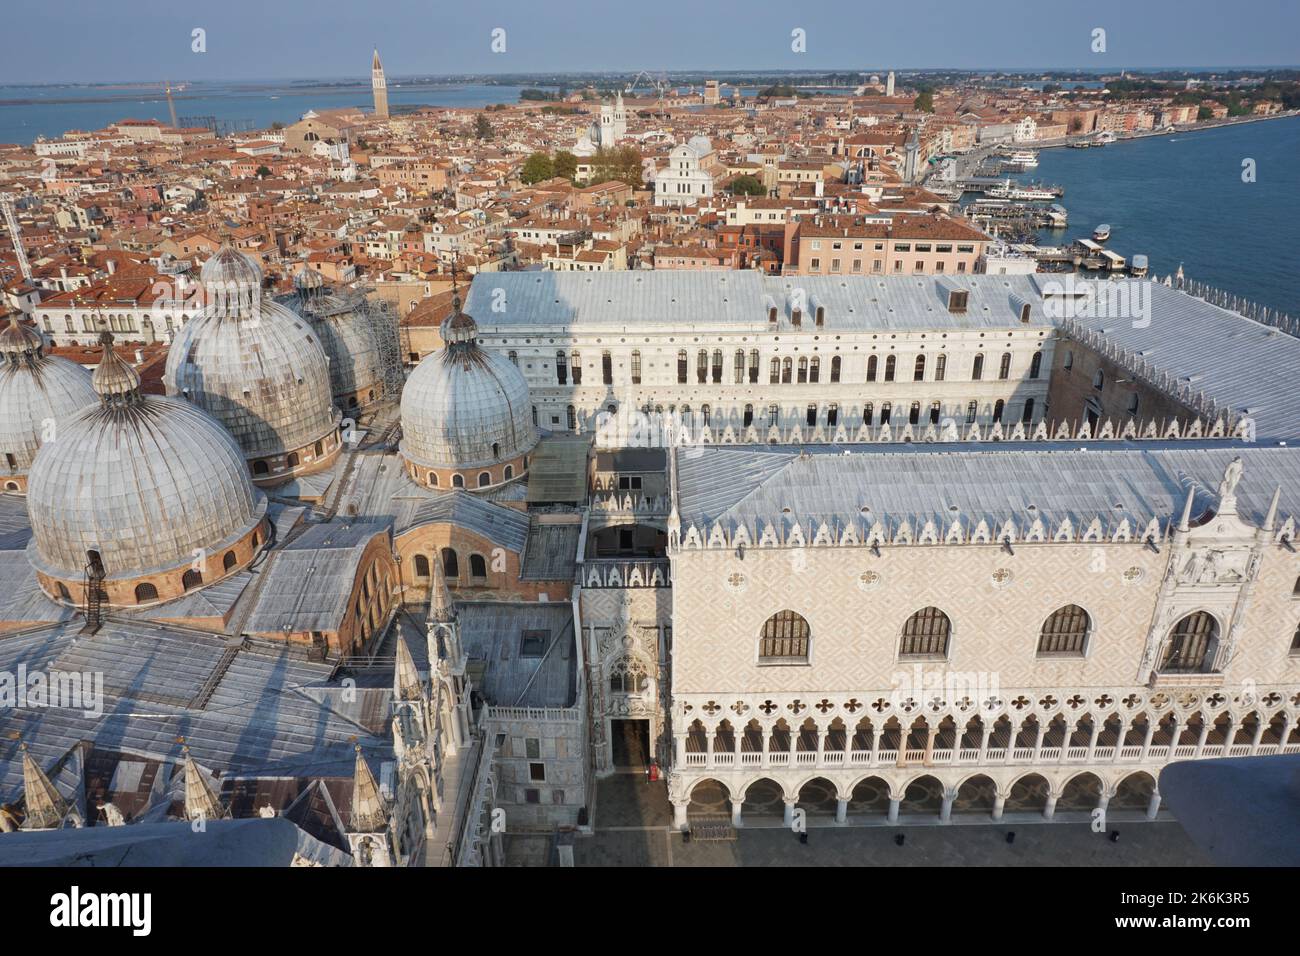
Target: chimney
111,266
139,356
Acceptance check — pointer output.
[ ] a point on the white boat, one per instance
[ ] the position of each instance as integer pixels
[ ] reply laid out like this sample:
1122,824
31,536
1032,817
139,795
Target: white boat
1101,233
1138,267
1010,190
1023,157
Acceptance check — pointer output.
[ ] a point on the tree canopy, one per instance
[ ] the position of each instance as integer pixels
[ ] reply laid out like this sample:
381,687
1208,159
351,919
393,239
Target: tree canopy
537,166
747,186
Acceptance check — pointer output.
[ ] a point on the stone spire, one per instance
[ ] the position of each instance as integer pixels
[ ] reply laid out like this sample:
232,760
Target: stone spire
1270,520
441,609
200,799
43,805
20,343
379,87
369,814
406,677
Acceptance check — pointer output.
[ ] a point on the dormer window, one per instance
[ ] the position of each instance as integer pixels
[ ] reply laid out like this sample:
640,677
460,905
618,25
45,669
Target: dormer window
796,317
771,315
957,301
1024,314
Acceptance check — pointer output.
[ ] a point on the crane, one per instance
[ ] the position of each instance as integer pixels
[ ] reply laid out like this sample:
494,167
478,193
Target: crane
659,85
7,206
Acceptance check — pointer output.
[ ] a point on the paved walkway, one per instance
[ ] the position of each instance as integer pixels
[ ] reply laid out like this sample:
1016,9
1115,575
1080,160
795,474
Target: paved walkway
633,827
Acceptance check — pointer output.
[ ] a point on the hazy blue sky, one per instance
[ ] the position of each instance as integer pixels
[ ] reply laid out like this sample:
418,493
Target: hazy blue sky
107,40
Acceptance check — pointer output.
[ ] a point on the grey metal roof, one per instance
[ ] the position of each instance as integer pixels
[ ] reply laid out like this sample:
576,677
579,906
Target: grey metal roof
271,712
740,300
492,633
507,527
35,391
552,551
557,470
309,582
1242,364
755,485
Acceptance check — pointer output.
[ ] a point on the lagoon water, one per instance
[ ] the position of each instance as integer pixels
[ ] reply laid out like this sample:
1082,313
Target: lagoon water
1180,198
30,111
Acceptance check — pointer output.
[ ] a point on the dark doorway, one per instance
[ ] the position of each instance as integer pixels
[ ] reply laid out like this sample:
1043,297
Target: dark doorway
630,742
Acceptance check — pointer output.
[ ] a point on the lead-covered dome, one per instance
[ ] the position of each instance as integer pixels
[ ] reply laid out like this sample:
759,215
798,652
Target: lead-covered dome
151,492
348,332
258,369
466,415
38,394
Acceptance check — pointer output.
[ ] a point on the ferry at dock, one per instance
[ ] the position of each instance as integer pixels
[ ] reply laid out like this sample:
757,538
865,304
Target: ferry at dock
1032,192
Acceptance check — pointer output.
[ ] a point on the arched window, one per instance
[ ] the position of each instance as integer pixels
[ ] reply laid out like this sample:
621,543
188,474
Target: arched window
421,566
636,367
510,472
753,366
477,567
144,593
576,361
803,369
702,366
496,449
561,368
717,366
871,368
918,370
484,479
940,368
914,413
228,561
774,368
450,564
458,481
1065,633
977,368
433,479
571,418
786,366
191,579
998,408
1036,365
1190,644
926,634
1004,368
833,415
784,639
514,357
972,410
739,363
260,468
812,416
1028,416
749,420
891,363
318,449
935,409
681,367
868,413
835,368
292,460
1099,379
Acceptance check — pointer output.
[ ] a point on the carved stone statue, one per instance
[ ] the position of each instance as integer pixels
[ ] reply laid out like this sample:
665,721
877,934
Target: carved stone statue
1228,487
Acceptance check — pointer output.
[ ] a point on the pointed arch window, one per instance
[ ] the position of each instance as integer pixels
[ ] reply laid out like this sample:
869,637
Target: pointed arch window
977,368
891,362
871,368
1004,368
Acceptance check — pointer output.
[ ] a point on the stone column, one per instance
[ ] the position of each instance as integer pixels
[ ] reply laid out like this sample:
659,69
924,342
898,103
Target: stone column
893,809
945,811
999,804
1038,741
841,810
986,731
821,743
1093,737
1149,736
929,745
875,744
767,743
1260,727
788,816
1206,726
679,814
1049,811
736,806
680,740
1103,803
1153,807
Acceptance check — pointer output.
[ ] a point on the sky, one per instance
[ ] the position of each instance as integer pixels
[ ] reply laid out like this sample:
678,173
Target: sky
61,41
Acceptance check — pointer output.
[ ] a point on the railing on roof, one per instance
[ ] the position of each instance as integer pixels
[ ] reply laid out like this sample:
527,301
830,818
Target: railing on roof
625,573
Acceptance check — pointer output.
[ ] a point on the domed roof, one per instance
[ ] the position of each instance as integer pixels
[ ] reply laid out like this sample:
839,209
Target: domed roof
306,278
253,365
700,144
37,392
347,333
461,401
147,482
230,267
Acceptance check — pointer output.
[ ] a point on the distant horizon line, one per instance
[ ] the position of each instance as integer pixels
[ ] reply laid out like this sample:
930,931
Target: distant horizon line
363,77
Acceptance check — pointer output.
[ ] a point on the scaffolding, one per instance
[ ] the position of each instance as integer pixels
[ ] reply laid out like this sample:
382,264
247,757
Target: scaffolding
381,318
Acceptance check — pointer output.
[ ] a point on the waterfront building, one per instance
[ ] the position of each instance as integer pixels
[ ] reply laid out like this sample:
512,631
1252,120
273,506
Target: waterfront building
686,180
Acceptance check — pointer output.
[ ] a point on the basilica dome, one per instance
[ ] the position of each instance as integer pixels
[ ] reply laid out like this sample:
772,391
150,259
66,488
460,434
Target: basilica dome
38,393
149,492
257,368
348,332
466,416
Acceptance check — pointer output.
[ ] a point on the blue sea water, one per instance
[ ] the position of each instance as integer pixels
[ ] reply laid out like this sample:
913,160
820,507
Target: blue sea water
1180,198
30,111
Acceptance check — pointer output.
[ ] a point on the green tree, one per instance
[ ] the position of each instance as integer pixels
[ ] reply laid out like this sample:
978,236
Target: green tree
482,128
622,164
1204,113
747,186
924,102
263,172
537,167
565,164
